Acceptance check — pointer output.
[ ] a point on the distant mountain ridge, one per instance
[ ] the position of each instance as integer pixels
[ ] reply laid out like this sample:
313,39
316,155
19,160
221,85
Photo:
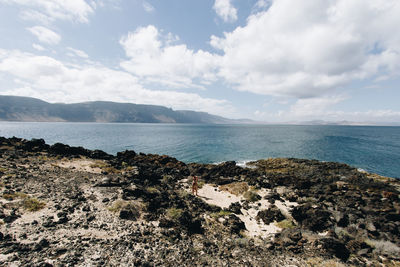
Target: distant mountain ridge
17,108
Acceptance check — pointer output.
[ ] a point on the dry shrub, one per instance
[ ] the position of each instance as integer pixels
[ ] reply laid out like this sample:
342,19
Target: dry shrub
32,204
235,188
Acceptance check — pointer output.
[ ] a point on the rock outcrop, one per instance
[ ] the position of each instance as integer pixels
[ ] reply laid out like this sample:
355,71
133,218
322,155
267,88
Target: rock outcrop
67,206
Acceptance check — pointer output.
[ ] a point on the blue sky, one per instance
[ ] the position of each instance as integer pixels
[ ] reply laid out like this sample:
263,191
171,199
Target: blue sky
275,61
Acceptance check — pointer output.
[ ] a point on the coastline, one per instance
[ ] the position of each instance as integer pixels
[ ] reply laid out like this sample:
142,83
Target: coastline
70,205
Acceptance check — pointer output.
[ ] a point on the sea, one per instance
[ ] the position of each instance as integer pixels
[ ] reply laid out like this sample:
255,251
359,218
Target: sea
371,148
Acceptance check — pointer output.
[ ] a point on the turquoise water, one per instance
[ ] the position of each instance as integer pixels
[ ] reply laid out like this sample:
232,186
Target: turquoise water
375,149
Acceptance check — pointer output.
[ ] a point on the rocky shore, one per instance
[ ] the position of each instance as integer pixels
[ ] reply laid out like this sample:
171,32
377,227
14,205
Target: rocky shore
69,206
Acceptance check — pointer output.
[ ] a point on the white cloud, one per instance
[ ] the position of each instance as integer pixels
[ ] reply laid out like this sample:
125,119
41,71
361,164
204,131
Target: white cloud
314,106
308,48
45,35
261,5
147,7
153,57
323,108
77,52
51,10
225,10
38,47
52,80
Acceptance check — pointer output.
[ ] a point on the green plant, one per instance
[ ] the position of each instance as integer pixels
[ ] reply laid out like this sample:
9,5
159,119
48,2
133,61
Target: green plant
285,224
167,179
33,204
221,213
200,184
43,158
16,195
118,205
251,196
152,190
183,193
174,213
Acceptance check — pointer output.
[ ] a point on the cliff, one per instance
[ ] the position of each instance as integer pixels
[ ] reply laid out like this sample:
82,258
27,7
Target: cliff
15,108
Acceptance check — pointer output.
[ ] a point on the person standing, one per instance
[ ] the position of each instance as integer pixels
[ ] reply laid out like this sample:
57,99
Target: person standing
195,185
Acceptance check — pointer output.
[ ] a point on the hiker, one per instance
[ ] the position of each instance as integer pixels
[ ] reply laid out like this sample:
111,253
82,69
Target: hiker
194,185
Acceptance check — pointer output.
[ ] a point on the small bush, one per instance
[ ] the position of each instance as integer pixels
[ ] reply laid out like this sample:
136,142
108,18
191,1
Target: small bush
251,196
221,213
43,158
200,184
235,188
118,205
285,224
183,193
17,195
167,179
3,170
110,170
104,167
32,204
152,190
174,213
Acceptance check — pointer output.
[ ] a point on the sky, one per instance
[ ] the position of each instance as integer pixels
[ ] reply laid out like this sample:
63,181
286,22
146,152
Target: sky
266,60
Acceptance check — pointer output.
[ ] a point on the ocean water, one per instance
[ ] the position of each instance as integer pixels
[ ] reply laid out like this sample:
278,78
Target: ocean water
374,149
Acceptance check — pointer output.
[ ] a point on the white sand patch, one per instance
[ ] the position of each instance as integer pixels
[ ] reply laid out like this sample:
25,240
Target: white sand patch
212,195
255,228
85,165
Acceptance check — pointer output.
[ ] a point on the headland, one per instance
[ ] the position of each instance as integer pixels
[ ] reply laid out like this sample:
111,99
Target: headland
70,206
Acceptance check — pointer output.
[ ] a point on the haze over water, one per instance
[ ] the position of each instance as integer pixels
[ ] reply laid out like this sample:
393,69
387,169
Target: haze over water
375,149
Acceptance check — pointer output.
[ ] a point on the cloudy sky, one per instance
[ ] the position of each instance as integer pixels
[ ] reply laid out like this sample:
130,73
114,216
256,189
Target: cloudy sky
267,60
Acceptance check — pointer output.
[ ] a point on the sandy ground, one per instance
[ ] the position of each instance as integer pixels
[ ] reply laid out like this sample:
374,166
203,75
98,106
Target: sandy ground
85,165
255,228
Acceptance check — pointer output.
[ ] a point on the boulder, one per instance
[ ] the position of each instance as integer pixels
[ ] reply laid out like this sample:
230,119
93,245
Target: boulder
270,215
335,247
234,224
235,208
312,218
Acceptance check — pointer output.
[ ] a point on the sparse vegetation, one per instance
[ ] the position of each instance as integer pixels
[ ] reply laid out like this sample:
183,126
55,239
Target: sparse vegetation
152,190
13,196
285,224
105,167
174,213
3,170
321,262
43,158
118,205
251,196
183,193
33,204
221,213
235,188
167,179
200,184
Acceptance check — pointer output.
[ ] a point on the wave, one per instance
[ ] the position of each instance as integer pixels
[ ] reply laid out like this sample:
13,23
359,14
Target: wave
240,163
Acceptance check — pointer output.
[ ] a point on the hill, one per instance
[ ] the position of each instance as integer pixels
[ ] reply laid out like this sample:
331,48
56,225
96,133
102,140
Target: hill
16,108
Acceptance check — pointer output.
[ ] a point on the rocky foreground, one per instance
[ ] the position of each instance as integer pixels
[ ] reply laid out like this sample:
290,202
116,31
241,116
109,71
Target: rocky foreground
67,206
